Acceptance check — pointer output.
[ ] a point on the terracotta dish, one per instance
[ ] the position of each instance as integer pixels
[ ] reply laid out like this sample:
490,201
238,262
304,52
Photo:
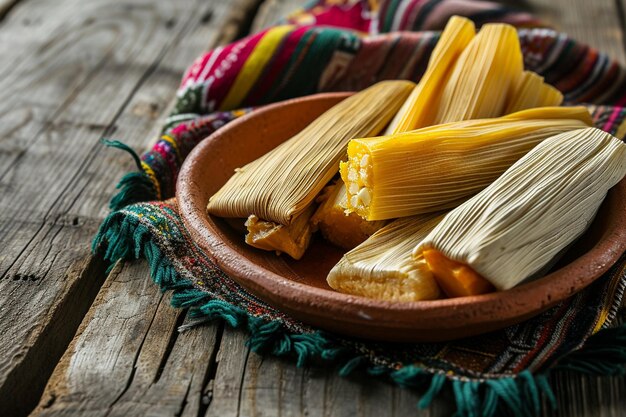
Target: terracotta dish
299,287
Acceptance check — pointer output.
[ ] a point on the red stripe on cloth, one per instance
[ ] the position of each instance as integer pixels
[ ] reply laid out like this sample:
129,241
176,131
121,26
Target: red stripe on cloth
409,15
609,124
223,76
218,73
579,74
364,69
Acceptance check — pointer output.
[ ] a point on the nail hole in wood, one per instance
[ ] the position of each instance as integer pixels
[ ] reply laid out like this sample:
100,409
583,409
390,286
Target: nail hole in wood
207,17
25,277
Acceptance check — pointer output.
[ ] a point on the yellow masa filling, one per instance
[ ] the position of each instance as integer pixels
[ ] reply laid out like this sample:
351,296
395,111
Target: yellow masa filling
456,279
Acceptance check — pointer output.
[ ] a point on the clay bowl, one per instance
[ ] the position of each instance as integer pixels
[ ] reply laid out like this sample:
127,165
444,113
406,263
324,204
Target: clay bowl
299,287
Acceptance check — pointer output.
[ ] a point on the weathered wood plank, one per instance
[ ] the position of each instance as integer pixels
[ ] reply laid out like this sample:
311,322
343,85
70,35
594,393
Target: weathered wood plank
6,6
247,384
106,68
226,387
273,10
273,386
584,395
621,10
128,358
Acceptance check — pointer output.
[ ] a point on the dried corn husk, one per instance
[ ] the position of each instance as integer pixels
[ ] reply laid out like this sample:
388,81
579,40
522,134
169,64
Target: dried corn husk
517,225
463,71
382,267
533,92
438,167
281,184
473,76
420,109
484,77
346,230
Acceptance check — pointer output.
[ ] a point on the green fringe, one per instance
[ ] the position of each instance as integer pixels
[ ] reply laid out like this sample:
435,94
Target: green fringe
124,237
603,354
135,187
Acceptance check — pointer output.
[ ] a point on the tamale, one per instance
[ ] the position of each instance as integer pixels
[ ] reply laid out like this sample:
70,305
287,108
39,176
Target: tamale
485,75
438,167
516,226
420,109
292,239
342,229
282,183
463,73
382,267
347,230
459,83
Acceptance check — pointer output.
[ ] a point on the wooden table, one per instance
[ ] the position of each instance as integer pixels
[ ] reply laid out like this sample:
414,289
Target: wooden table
76,341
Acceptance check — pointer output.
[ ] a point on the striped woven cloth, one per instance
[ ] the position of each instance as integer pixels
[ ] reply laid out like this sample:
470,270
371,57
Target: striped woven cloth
343,45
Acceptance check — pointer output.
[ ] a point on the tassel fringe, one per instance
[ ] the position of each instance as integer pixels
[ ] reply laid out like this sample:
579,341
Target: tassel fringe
135,187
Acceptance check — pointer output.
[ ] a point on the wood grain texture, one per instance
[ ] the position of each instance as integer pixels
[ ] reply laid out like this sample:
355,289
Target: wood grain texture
620,6
128,357
271,11
247,384
67,80
6,6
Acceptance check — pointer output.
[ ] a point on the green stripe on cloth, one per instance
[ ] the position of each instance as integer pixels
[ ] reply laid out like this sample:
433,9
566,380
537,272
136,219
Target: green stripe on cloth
311,57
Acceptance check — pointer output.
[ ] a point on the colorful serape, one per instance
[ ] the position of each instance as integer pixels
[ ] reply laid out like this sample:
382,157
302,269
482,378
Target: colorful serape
338,46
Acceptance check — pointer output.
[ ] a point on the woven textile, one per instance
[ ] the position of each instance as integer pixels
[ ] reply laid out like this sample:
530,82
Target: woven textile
341,46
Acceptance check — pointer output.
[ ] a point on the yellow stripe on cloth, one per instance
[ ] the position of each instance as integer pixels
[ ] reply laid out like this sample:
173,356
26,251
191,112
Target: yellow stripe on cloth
263,51
153,178
172,142
606,308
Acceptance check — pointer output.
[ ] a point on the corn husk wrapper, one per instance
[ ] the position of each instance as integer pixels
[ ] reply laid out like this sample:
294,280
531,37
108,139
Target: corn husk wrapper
346,230
281,184
517,225
420,109
463,71
382,267
533,92
471,77
485,76
438,167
